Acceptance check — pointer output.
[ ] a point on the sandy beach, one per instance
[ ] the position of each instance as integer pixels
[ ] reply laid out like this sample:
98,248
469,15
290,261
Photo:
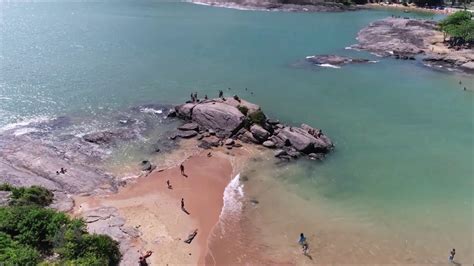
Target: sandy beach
155,210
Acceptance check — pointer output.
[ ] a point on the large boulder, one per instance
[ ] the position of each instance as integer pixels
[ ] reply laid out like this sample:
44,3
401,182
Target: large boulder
259,132
251,107
225,119
302,140
185,111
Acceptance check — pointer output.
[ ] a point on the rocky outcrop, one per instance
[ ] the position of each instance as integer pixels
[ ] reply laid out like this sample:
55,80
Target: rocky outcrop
223,118
225,121
259,133
106,220
334,60
406,38
281,5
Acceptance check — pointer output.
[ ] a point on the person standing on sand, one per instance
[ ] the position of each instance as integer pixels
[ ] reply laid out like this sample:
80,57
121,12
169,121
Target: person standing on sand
451,256
169,185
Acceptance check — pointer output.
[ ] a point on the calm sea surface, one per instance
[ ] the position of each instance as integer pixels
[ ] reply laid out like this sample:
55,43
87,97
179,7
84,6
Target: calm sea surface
399,186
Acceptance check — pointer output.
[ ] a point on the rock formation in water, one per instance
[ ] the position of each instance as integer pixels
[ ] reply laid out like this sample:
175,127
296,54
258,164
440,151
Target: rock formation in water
220,121
283,5
335,60
406,38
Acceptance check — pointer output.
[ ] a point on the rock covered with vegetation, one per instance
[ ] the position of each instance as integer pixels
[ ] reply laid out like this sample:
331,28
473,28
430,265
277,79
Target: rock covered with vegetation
31,234
402,38
220,121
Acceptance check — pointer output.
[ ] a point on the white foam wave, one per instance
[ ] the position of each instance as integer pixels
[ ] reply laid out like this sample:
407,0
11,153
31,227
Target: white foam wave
310,56
147,110
24,130
233,196
329,65
25,122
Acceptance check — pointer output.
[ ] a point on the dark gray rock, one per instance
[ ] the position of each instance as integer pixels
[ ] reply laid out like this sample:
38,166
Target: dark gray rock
279,153
247,137
189,126
259,133
210,142
268,144
334,60
186,134
225,119
146,166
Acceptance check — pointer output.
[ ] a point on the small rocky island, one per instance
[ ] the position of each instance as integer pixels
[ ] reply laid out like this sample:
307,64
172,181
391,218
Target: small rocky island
335,60
223,121
406,38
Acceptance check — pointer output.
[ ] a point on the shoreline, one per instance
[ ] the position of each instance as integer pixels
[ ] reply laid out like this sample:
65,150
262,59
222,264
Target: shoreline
154,210
411,8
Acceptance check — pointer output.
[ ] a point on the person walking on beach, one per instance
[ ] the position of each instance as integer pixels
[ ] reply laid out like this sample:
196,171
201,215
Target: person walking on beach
182,203
451,255
169,185
181,167
302,240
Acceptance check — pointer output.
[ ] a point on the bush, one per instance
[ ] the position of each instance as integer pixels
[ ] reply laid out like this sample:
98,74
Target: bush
459,25
15,253
34,195
257,117
29,231
31,225
243,109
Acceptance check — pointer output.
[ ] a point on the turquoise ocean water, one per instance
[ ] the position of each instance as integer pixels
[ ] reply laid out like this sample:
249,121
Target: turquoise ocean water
403,164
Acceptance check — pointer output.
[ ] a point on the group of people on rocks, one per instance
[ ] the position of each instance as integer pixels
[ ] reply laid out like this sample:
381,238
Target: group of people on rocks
61,171
195,99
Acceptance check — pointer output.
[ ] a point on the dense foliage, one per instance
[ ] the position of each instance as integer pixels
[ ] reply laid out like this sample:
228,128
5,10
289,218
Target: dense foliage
459,26
29,233
34,195
257,117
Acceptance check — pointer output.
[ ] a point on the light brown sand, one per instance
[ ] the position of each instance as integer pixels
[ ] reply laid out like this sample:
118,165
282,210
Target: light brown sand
147,204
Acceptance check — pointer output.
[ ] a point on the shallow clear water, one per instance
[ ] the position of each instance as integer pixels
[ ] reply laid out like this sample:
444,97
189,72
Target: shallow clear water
403,133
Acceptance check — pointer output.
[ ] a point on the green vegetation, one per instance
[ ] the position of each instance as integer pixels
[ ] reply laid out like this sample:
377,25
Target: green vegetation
33,195
29,233
243,109
460,27
257,117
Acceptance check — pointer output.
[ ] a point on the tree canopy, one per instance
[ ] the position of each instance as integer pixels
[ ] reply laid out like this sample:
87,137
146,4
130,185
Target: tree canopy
29,233
459,25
